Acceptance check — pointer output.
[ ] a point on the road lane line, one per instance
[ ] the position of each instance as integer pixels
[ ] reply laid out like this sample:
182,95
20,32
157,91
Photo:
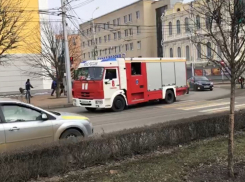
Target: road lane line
223,109
204,106
179,104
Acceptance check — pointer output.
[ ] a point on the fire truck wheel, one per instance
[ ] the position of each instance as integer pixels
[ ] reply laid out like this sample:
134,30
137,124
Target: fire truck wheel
90,109
169,98
118,104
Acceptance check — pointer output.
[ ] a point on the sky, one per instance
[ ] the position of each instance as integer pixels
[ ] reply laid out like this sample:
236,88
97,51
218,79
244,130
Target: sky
86,10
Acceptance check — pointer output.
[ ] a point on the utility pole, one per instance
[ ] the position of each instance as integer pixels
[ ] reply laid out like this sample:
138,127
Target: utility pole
94,37
67,56
95,45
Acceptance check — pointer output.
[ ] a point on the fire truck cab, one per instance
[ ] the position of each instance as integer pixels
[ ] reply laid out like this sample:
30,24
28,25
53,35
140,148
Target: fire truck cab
119,82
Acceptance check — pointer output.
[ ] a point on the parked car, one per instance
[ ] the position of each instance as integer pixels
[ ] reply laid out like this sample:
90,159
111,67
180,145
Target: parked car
200,83
22,125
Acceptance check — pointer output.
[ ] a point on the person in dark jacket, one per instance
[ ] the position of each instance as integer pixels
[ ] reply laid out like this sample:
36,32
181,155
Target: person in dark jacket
28,87
53,87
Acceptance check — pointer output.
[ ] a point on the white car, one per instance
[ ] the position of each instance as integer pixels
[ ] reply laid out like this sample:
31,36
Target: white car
22,125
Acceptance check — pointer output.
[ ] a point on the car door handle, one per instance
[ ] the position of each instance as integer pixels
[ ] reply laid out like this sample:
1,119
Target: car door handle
14,129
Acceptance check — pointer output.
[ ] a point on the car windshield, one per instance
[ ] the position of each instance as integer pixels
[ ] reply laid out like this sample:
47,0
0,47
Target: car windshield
89,73
201,78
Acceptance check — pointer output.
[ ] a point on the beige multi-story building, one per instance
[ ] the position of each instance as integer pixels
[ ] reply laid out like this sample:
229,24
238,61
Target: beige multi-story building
178,28
132,31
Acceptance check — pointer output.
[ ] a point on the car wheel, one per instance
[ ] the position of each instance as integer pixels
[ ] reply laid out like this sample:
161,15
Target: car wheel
211,89
169,97
71,134
188,91
90,109
118,104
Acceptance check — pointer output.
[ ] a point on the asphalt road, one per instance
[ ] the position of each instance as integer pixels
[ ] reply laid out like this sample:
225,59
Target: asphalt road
196,103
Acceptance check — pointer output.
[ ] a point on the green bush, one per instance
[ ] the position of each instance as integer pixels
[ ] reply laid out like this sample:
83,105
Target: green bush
60,158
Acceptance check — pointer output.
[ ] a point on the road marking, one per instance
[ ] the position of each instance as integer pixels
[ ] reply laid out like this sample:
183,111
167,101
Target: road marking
216,110
179,104
204,106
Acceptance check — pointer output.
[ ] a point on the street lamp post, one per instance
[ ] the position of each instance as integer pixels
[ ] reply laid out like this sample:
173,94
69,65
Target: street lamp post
94,35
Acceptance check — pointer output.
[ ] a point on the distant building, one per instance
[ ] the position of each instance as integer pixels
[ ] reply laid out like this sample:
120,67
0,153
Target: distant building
12,74
75,50
132,31
178,25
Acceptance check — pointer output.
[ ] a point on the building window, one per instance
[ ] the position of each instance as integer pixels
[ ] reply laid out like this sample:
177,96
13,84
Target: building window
178,27
119,35
100,40
84,55
138,30
199,51
89,54
187,53
115,36
109,38
170,28
104,26
115,49
90,30
171,52
179,52
130,17
83,44
118,21
131,46
119,48
187,29
126,33
126,47
105,38
198,22
88,42
130,31
125,19
139,45
100,52
105,51
74,41
108,25
96,41
114,22
218,52
137,15
208,21
136,69
87,31
209,51
109,50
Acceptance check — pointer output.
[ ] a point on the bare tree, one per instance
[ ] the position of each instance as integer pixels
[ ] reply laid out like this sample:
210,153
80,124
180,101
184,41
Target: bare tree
13,19
45,53
219,35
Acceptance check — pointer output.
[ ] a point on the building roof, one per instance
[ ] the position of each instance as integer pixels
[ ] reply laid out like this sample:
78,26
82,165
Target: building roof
113,11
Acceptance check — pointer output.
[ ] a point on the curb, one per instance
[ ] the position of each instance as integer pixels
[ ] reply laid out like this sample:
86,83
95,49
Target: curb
57,106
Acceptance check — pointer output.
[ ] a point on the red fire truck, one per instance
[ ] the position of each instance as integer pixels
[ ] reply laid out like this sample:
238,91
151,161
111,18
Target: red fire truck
119,82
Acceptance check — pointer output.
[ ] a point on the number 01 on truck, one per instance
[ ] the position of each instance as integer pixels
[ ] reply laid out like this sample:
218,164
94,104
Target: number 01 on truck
119,82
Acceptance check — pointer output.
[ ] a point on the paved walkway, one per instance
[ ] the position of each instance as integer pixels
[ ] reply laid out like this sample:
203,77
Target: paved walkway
47,101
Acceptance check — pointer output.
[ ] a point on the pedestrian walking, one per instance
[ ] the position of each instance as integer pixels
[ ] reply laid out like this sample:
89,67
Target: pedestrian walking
242,82
53,87
62,89
28,87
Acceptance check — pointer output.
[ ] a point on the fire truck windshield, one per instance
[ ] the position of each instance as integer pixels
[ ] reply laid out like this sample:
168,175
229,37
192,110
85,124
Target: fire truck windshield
90,73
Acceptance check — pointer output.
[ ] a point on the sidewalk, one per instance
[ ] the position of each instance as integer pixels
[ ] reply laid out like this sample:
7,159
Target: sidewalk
47,101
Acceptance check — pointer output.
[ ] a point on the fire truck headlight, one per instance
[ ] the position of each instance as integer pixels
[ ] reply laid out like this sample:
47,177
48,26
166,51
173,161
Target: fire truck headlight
99,102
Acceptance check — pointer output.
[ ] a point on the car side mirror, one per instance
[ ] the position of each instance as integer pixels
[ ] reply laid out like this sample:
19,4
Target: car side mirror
44,117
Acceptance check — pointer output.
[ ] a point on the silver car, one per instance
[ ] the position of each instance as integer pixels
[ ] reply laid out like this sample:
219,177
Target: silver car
22,125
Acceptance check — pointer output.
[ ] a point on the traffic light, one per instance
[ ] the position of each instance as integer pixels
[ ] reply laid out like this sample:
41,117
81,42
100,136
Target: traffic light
71,60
